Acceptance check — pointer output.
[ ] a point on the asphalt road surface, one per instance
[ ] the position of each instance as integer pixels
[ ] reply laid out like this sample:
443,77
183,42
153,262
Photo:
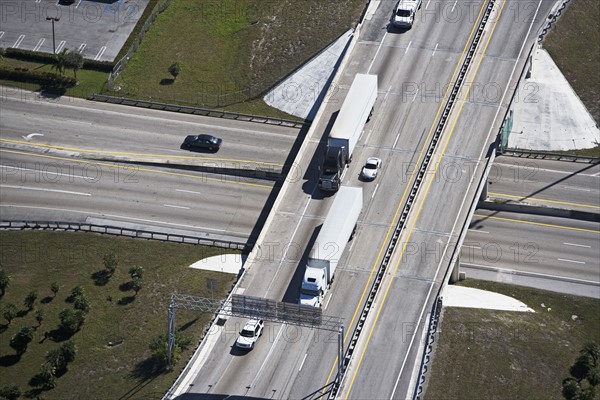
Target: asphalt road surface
551,253
75,160
550,183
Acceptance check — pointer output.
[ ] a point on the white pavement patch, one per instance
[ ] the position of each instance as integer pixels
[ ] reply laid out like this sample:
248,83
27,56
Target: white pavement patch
228,263
298,94
460,296
548,114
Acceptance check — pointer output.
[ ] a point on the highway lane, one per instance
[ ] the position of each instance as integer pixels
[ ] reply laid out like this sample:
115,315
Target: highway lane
436,221
551,183
396,133
50,188
82,127
540,245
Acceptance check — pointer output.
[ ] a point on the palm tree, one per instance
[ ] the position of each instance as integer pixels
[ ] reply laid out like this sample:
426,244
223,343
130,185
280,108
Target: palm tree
585,368
30,299
39,317
59,61
4,281
54,288
10,312
174,70
74,60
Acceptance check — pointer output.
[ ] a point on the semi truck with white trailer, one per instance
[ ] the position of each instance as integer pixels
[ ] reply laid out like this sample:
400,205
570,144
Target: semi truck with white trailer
325,254
350,122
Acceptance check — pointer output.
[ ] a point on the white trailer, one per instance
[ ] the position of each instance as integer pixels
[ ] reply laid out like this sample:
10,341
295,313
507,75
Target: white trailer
325,254
349,124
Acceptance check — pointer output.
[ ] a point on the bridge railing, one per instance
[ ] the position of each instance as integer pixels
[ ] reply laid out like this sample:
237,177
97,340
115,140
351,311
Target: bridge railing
546,155
198,111
121,231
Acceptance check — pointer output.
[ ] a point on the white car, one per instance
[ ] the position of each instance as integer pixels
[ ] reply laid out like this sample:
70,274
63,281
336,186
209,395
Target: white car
250,334
371,168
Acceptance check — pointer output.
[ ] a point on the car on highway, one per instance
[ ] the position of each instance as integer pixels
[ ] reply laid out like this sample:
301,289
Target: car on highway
207,142
250,334
371,168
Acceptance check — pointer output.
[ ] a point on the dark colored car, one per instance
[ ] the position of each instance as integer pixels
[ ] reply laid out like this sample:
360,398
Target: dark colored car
207,142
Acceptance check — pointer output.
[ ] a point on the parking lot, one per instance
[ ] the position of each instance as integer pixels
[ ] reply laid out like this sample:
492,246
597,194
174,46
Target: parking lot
97,28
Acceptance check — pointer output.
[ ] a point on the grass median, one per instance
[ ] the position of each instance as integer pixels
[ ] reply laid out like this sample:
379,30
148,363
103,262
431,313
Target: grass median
487,354
113,359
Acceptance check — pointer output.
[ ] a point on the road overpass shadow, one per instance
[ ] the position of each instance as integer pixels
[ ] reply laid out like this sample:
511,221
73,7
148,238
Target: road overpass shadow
246,175
286,173
211,396
320,393
311,175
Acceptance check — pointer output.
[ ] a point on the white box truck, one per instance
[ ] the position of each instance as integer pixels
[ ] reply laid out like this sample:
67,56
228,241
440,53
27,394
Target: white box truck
350,122
335,233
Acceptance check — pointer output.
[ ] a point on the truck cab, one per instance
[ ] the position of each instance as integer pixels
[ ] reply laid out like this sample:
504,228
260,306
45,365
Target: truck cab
336,157
313,287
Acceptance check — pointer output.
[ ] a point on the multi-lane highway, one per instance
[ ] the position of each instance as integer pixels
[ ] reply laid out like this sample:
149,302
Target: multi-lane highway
77,161
557,184
414,70
561,254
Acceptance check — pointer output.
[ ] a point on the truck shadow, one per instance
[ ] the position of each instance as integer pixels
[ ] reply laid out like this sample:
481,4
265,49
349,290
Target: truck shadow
292,293
311,175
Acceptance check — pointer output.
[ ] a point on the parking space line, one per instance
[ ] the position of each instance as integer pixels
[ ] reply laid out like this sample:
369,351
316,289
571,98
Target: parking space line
60,46
39,44
80,50
102,50
18,42
1,34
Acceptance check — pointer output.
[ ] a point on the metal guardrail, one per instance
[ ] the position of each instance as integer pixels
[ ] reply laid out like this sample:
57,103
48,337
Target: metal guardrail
198,111
552,19
119,231
545,155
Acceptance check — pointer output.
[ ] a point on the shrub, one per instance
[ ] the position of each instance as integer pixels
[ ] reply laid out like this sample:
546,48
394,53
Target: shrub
46,79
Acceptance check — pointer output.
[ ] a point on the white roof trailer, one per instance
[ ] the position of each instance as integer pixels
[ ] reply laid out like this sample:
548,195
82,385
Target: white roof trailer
330,244
337,228
356,110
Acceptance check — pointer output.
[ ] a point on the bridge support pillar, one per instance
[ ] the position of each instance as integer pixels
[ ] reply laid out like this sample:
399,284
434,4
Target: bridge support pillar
484,192
456,275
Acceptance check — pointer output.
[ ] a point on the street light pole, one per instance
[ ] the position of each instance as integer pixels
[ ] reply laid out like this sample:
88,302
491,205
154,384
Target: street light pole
53,19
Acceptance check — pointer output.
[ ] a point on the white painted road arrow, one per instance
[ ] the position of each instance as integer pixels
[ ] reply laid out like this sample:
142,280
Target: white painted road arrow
31,135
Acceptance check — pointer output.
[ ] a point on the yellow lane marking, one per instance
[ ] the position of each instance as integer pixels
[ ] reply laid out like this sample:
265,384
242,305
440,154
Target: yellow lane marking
537,223
406,189
568,203
155,171
420,206
137,154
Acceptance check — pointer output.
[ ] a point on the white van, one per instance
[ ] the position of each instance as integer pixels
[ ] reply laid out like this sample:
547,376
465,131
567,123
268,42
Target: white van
405,13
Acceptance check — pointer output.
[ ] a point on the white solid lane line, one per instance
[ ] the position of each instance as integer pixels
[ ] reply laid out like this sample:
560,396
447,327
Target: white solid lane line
45,190
174,206
571,261
578,245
